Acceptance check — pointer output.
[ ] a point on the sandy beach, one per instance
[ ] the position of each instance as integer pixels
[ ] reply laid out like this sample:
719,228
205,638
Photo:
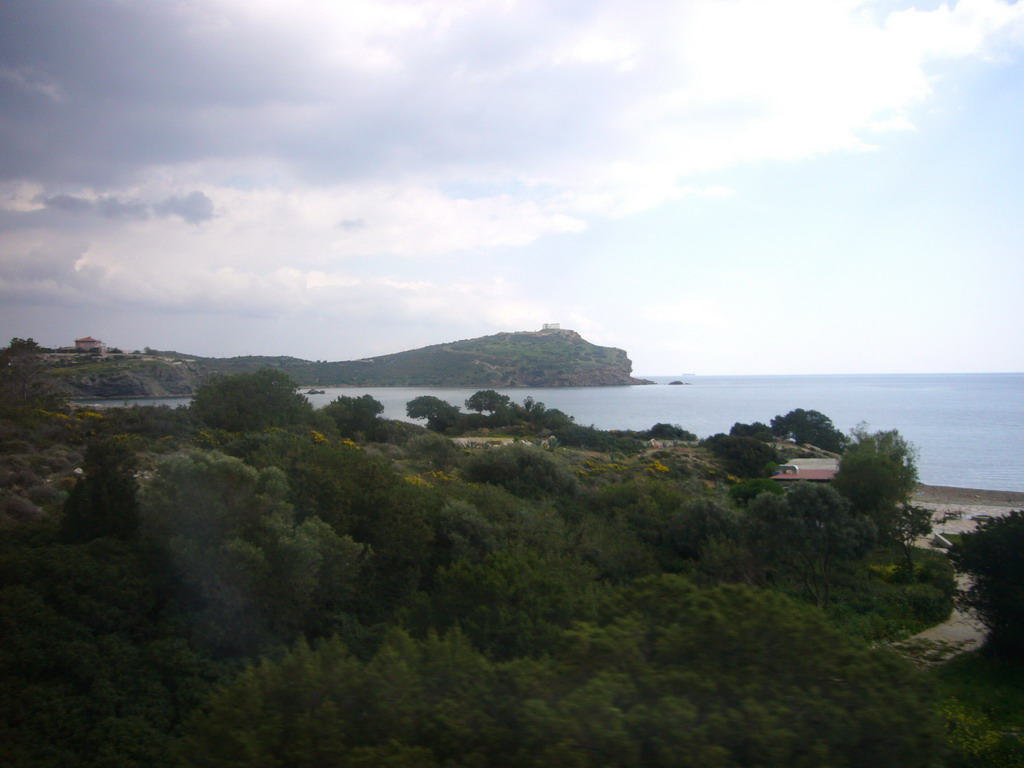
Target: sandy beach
944,494
955,508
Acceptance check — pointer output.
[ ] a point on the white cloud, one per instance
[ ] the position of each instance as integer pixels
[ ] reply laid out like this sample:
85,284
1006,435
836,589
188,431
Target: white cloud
263,156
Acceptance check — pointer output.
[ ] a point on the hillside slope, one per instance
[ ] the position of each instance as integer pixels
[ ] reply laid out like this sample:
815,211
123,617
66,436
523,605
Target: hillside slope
548,358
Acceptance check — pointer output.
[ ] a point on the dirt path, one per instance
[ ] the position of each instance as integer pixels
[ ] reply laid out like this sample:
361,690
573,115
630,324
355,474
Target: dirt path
953,511
960,633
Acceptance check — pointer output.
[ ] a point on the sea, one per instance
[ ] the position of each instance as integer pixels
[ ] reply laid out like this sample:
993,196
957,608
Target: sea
968,429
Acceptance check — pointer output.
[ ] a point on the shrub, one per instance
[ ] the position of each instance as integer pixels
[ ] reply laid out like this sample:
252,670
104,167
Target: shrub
524,470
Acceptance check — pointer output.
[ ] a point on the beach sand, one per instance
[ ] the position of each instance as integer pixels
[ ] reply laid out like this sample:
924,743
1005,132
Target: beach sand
954,508
944,494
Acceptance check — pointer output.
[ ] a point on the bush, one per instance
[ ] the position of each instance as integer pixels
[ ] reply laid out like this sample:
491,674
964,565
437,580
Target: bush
251,401
743,456
522,469
743,493
994,556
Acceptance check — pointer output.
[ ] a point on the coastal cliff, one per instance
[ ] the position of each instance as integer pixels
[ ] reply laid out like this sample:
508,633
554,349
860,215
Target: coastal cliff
128,377
546,358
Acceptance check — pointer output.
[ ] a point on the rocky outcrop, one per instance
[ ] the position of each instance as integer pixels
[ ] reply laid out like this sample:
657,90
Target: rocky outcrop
149,380
548,358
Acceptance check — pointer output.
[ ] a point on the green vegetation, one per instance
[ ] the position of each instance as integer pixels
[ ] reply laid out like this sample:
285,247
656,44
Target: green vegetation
809,531
266,584
802,426
994,557
983,705
878,473
250,401
667,675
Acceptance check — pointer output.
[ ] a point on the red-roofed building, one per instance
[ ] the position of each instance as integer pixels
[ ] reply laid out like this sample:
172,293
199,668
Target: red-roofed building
88,344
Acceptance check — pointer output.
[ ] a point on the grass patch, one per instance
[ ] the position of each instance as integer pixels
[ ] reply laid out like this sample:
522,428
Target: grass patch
881,604
985,684
983,706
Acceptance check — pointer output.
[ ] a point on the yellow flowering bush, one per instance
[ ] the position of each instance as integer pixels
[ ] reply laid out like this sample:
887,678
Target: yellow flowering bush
655,467
976,741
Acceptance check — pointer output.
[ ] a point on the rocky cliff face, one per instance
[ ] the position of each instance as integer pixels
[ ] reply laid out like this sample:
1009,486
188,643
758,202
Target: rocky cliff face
151,380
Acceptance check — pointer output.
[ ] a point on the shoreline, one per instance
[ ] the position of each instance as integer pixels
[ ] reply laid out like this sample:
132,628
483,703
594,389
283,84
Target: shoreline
975,497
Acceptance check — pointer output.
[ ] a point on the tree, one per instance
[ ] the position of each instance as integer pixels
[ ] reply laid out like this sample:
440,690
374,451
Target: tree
356,416
994,557
669,675
809,531
743,456
514,602
24,379
809,427
743,493
524,470
698,522
757,429
440,415
670,432
251,401
488,400
911,524
877,475
248,574
104,501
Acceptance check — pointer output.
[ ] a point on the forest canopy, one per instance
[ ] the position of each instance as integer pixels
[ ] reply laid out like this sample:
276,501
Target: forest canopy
260,583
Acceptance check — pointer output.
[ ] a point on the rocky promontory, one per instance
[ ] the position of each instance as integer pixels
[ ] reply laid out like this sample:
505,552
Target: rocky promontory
551,357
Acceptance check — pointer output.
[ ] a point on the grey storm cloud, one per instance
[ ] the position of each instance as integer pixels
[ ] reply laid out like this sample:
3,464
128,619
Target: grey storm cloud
69,203
156,84
194,207
112,208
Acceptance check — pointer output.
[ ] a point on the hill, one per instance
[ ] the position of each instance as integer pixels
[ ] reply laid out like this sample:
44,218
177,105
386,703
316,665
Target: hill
547,358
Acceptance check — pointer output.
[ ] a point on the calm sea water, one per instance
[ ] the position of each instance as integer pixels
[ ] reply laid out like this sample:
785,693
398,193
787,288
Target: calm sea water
968,428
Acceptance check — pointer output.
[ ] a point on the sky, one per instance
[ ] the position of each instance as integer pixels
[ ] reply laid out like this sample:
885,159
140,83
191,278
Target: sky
715,186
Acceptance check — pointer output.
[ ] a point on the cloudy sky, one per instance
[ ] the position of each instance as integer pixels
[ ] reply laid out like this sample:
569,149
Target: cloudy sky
716,186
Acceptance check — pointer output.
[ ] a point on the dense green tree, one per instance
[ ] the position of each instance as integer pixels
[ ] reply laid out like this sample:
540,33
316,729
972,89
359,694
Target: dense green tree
525,470
993,555
247,573
104,502
809,531
359,495
699,521
743,456
670,677
811,427
24,376
743,493
250,401
357,417
514,602
440,415
436,451
670,432
911,525
488,400
878,475
91,673
757,429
